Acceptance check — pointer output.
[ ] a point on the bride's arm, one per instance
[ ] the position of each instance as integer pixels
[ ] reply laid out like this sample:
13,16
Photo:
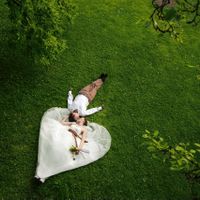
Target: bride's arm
67,123
83,139
62,121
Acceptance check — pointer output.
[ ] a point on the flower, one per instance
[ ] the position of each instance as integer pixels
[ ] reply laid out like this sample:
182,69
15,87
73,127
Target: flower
74,150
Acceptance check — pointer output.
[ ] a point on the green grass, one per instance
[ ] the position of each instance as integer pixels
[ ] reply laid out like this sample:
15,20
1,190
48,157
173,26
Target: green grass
149,87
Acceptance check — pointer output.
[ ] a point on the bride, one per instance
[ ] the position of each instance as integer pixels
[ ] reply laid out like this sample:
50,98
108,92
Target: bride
78,131
65,146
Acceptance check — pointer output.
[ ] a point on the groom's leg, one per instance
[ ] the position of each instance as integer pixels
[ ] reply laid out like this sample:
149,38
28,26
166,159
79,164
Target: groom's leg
90,90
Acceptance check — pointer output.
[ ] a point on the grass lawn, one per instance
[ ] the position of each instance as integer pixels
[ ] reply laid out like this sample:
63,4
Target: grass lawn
149,87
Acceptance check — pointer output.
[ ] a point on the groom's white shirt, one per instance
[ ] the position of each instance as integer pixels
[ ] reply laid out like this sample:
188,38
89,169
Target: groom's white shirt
80,103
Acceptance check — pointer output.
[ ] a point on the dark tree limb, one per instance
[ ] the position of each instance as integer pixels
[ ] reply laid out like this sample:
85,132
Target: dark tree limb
158,17
158,12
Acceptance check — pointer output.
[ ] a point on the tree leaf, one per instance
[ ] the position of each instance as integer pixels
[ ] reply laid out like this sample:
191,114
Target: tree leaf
145,136
156,132
151,148
170,13
147,131
192,151
179,148
197,144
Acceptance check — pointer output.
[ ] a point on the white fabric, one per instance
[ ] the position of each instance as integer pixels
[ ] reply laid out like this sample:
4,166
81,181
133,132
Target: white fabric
76,128
80,103
55,141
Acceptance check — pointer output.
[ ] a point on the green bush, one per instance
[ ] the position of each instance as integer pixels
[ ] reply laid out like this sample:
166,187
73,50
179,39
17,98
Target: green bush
40,26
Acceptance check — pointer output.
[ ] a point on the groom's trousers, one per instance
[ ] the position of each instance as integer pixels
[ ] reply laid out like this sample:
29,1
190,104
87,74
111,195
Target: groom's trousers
90,90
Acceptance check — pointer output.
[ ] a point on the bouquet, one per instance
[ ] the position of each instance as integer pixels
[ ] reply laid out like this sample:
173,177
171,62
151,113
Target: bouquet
75,151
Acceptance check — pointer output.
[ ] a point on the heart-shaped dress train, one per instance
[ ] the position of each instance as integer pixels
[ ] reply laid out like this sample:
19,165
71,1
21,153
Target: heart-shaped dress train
55,141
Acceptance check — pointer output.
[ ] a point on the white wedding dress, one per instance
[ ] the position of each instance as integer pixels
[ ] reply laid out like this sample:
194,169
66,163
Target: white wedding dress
55,141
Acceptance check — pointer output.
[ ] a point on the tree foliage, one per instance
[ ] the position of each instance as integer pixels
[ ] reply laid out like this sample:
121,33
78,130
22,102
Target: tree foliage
40,26
169,15
181,157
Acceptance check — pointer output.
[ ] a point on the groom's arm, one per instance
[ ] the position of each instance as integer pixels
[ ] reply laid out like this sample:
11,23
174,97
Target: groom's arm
91,111
69,99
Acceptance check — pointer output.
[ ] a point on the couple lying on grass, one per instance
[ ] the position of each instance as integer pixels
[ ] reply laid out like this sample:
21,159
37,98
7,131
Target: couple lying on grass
78,108
66,134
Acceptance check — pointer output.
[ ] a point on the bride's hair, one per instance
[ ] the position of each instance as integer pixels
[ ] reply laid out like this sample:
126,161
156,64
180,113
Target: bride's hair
85,122
71,118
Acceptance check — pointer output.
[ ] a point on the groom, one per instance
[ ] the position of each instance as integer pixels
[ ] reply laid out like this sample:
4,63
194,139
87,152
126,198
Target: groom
78,106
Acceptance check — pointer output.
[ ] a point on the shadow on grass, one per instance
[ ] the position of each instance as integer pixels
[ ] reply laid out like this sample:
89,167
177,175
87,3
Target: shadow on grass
15,65
17,68
34,186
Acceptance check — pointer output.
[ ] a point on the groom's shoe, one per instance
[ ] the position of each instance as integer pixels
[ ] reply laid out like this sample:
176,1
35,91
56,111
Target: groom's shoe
103,77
